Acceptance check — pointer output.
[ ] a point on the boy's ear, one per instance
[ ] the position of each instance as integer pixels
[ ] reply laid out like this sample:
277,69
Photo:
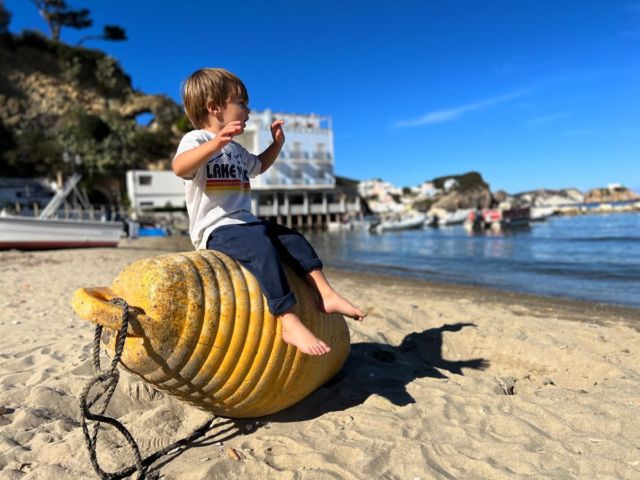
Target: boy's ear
212,107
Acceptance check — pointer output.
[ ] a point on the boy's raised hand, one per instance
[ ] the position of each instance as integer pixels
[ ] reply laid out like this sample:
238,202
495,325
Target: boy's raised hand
230,130
276,132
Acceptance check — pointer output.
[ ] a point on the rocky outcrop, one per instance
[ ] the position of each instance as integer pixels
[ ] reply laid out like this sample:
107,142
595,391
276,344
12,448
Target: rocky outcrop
42,81
466,191
611,194
474,197
164,110
550,198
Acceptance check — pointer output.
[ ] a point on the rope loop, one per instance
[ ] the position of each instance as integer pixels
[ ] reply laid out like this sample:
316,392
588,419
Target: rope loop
108,378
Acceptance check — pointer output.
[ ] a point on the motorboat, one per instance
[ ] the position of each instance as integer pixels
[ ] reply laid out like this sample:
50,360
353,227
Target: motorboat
456,217
395,224
497,219
539,214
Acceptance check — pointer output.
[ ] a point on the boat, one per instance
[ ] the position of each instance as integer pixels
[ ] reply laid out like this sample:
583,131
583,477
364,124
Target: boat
497,219
449,219
539,214
395,224
77,229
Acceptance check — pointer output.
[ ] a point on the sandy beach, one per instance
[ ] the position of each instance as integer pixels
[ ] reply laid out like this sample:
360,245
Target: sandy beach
442,381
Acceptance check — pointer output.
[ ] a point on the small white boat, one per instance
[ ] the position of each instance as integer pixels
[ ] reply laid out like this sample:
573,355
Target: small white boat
408,223
49,231
457,217
539,214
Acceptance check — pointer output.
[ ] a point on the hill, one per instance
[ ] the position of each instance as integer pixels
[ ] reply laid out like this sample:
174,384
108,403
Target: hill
61,102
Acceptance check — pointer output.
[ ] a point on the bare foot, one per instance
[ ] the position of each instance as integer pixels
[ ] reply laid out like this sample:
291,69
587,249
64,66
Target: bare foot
335,303
295,333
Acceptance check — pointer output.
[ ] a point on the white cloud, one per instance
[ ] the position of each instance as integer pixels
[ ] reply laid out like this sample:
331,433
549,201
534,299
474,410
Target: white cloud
454,113
547,118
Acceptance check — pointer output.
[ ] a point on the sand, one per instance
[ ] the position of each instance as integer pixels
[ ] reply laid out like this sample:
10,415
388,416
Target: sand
442,382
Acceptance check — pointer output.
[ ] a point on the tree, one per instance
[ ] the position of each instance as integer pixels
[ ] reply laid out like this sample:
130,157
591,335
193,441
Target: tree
112,33
5,19
57,14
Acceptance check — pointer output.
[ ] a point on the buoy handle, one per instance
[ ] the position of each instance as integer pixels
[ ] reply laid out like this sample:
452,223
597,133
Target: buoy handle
93,304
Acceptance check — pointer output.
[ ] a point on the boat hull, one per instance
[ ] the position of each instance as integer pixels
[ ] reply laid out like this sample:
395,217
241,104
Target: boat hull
26,233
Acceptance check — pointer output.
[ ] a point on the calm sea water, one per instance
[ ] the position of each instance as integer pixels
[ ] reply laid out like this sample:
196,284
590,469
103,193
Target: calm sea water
592,257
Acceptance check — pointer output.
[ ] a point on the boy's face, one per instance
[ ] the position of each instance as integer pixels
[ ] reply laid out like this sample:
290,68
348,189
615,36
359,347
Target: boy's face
235,110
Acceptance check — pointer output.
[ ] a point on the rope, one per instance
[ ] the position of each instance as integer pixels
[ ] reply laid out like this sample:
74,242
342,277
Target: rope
110,377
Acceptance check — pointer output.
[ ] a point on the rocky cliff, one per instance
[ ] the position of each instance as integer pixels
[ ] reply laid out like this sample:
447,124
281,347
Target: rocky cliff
610,194
41,81
462,192
55,99
549,198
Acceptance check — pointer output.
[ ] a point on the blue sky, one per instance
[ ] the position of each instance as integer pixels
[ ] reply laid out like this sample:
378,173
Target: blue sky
530,93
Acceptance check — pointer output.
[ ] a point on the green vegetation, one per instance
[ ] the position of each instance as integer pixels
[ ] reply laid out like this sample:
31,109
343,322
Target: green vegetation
184,124
58,15
465,182
104,145
35,140
423,205
5,19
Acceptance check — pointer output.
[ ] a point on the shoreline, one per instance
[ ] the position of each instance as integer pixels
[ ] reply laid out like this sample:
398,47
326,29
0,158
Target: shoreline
573,307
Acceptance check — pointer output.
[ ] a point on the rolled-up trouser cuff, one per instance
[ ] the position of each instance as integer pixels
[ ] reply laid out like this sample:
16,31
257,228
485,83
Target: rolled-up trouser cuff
278,306
313,264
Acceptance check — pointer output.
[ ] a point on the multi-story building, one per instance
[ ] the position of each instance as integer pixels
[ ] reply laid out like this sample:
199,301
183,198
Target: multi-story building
300,189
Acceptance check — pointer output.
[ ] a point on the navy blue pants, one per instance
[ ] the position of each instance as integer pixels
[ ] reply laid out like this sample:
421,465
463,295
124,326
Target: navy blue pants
261,247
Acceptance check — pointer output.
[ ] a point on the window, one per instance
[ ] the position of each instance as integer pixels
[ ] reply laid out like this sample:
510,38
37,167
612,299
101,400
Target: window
296,150
144,180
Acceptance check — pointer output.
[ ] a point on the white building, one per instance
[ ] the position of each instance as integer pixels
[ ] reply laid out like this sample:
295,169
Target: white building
306,160
376,187
148,189
299,189
450,184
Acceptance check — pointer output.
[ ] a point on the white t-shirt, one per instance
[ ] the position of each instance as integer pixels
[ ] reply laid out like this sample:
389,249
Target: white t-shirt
219,193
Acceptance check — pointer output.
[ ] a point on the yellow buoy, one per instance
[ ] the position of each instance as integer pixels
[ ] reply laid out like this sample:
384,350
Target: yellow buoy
201,330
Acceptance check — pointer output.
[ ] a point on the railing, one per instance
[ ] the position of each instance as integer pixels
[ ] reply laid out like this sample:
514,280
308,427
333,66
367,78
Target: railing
311,209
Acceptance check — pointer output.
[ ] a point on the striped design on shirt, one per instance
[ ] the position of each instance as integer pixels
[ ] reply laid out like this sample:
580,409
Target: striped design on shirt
227,185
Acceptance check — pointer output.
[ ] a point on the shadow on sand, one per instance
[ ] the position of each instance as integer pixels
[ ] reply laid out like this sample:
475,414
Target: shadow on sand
372,368
382,369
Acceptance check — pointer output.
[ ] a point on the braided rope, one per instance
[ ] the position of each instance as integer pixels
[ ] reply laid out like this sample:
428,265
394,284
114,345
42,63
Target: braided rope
110,377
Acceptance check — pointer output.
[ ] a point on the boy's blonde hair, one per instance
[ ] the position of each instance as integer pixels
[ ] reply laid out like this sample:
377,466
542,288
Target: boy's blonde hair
206,85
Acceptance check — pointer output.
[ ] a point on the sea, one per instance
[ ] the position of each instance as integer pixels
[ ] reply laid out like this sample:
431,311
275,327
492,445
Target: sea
592,257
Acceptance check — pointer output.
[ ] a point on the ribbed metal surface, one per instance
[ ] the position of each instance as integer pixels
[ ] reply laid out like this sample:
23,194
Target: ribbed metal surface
204,333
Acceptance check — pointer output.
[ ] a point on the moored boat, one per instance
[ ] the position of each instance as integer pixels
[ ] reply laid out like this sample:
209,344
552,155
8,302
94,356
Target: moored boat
497,219
48,230
539,214
406,223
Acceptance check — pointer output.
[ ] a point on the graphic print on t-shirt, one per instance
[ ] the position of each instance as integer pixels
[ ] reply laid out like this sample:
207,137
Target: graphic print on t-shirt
227,173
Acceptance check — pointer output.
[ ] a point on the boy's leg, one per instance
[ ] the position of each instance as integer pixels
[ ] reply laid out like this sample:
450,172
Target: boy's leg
296,250
252,248
330,300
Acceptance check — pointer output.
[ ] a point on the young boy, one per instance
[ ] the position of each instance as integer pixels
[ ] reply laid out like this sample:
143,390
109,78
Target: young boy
216,171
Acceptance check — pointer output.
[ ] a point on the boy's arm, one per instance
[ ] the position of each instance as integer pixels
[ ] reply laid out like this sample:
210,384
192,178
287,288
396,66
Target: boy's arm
271,152
186,163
